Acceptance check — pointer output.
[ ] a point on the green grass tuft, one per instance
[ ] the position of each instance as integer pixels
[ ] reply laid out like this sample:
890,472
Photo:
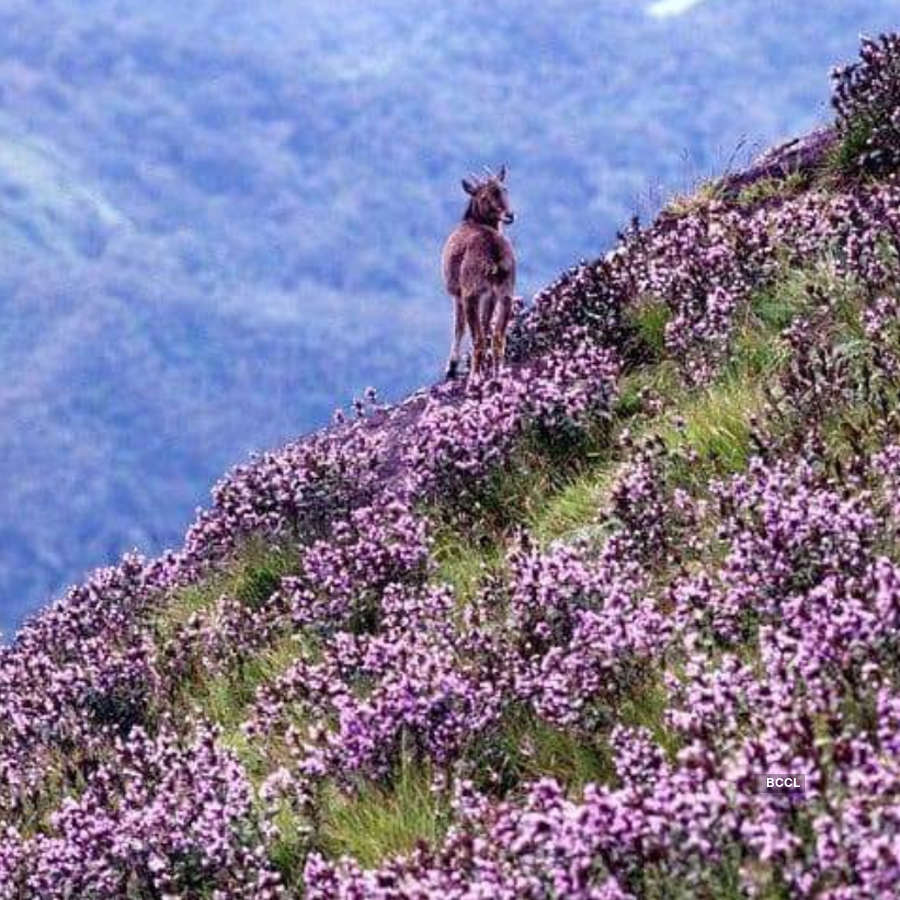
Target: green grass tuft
767,188
250,576
572,510
645,707
649,318
376,823
844,157
225,697
522,748
706,192
717,427
463,561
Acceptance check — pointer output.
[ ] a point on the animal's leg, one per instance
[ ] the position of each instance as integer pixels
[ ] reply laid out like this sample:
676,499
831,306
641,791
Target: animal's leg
486,313
459,329
498,338
474,321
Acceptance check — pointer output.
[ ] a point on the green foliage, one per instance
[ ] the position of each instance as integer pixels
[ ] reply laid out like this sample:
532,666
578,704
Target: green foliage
645,707
260,575
708,191
522,748
714,422
843,159
571,511
224,697
463,560
800,291
251,575
375,822
717,426
66,775
649,318
767,188
716,882
572,759
541,464
289,848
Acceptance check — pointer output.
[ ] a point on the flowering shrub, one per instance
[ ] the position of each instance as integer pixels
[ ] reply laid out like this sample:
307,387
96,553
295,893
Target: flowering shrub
580,632
456,446
160,818
866,99
407,685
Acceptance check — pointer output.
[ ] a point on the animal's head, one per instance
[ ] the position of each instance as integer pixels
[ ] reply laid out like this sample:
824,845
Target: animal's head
490,200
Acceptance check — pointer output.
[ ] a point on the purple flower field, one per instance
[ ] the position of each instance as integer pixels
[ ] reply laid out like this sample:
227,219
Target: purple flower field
379,668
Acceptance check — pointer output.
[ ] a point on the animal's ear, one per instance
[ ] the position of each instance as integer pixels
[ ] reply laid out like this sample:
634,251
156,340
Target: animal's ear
468,187
501,175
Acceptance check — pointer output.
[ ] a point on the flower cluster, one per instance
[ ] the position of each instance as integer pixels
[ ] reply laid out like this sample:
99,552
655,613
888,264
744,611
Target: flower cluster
579,631
160,817
866,99
406,689
455,445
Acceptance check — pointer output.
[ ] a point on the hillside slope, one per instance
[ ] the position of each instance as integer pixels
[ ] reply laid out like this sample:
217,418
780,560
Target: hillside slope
540,638
205,212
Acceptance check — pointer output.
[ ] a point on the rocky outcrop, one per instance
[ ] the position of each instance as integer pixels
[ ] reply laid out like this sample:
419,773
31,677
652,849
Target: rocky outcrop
803,155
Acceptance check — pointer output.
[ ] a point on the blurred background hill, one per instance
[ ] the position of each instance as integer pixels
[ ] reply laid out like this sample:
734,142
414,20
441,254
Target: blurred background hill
219,220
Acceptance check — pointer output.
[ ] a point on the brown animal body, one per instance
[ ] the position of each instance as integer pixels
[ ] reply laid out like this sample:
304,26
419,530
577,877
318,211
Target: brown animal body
480,274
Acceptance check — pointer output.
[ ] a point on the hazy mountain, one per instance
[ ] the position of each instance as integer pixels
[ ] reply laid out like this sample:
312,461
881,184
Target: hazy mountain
221,220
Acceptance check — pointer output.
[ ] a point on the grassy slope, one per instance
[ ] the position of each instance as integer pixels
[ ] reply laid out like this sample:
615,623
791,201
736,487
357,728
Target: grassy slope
706,433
